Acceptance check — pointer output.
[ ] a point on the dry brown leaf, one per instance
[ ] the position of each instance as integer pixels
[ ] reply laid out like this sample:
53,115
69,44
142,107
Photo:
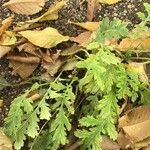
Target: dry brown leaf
47,38
136,123
71,50
23,69
126,44
108,144
123,141
91,9
146,148
51,14
109,2
5,143
90,26
5,25
27,47
4,50
25,7
138,132
53,68
140,69
83,39
144,143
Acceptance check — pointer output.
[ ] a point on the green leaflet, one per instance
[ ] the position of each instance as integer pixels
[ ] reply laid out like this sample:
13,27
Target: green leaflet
102,124
111,29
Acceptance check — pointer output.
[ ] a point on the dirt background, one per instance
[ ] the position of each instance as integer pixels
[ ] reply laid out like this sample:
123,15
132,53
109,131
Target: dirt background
75,10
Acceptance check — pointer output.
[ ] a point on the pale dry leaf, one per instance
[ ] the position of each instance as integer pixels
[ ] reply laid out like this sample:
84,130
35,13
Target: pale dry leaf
141,144
135,115
53,68
136,123
4,50
5,143
51,14
83,39
25,7
123,141
47,38
5,24
27,47
140,69
91,9
24,70
90,26
8,38
131,44
109,2
69,65
71,50
138,132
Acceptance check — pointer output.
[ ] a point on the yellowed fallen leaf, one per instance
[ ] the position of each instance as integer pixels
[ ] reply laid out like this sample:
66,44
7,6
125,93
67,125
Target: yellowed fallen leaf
47,38
4,50
25,7
140,69
8,38
5,25
90,26
51,14
5,143
110,2
126,44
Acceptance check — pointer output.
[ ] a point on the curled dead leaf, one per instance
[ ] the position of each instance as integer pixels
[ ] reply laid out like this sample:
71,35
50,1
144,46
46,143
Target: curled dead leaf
5,24
27,60
47,38
51,14
71,50
90,26
25,7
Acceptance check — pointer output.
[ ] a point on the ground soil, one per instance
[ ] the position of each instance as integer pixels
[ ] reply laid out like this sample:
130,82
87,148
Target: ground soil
74,11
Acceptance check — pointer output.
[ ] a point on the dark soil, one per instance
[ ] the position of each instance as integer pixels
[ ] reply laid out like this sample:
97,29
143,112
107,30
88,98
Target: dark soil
74,11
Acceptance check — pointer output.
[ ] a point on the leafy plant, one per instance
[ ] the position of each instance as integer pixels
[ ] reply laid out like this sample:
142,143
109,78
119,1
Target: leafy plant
105,80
